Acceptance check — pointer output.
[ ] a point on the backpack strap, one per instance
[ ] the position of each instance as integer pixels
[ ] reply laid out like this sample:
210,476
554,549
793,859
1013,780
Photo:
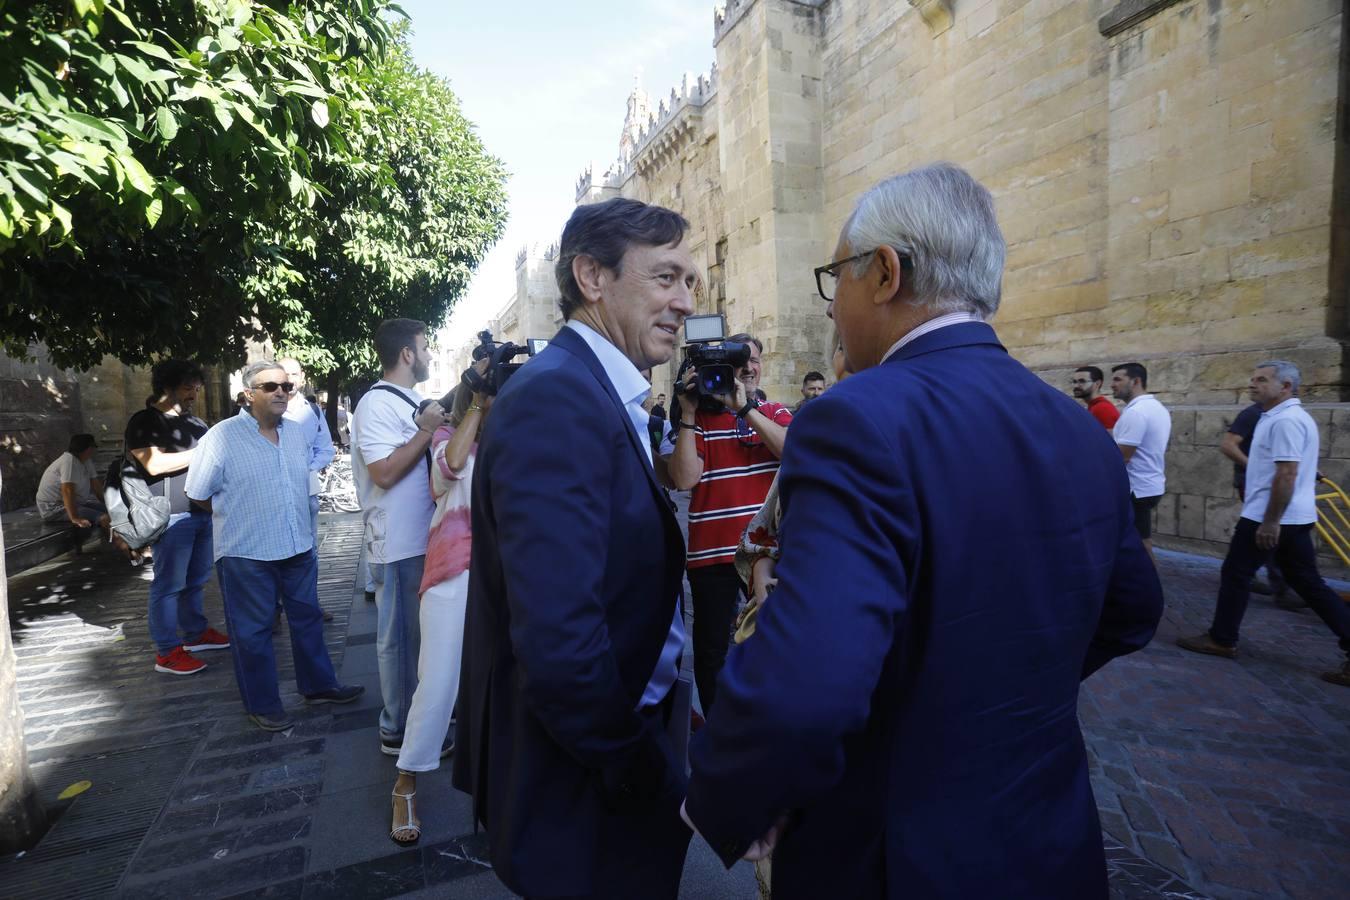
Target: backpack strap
426,454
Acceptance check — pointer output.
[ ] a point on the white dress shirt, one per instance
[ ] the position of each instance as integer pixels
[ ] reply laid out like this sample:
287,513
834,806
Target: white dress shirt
632,389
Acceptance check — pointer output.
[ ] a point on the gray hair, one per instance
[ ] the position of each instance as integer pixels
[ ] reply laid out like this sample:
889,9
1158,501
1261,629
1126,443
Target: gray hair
1284,371
260,365
943,220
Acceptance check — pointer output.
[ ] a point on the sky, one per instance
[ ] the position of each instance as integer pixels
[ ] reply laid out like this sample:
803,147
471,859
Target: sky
546,86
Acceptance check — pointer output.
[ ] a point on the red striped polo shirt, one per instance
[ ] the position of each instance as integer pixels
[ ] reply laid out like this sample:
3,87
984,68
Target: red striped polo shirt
737,472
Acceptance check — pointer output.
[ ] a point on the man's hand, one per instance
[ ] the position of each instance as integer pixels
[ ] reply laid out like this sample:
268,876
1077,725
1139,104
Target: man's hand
688,399
763,848
1267,535
760,849
735,400
430,418
80,523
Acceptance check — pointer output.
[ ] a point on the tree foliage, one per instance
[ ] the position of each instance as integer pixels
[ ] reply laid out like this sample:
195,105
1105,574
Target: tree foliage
178,176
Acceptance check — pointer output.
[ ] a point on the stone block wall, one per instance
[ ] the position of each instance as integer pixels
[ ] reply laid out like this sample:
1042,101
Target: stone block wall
1200,508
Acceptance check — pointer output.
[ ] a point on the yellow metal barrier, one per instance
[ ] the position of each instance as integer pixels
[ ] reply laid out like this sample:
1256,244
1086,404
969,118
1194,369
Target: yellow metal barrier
1333,518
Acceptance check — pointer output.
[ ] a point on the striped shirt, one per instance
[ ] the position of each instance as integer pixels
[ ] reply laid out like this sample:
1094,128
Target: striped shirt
737,473
259,491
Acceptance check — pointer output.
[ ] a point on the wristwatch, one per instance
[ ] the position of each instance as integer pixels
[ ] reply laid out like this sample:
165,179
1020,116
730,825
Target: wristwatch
744,411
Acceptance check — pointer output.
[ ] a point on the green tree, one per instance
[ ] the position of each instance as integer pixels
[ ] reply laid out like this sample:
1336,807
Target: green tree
405,235
176,177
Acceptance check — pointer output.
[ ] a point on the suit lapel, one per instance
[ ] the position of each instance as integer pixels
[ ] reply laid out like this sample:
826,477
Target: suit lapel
568,340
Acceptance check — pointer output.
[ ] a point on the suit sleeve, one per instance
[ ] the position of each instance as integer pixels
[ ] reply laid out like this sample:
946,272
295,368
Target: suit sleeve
1134,598
805,680
551,504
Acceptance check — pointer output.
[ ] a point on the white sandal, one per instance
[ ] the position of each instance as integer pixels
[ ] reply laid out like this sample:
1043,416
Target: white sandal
407,818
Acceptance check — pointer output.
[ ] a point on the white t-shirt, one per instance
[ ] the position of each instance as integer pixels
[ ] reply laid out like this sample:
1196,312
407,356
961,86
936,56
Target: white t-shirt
1283,434
397,519
65,469
1146,425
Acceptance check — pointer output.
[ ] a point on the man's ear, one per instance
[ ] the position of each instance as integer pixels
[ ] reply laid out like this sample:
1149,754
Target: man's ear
891,283
590,277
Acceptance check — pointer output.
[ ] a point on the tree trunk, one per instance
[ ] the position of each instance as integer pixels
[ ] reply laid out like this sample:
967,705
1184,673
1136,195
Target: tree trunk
334,383
22,818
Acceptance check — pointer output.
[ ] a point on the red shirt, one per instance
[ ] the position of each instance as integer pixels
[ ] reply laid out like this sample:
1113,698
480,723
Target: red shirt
737,473
1104,411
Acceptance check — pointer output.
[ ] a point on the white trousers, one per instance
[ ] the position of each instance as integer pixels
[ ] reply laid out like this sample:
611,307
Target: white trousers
441,615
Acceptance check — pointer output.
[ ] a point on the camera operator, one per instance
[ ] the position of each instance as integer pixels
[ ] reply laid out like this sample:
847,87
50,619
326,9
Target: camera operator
727,452
391,463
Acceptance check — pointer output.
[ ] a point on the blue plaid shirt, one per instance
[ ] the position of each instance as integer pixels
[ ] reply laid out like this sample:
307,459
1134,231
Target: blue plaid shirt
259,491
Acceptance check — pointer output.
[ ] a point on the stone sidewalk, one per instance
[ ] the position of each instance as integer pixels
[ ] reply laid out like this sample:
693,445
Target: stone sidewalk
189,799
1234,774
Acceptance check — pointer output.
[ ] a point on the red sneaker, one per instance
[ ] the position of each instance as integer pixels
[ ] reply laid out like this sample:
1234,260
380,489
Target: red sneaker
178,662
210,640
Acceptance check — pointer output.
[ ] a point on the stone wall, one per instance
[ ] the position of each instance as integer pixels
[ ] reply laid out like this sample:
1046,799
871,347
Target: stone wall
1201,506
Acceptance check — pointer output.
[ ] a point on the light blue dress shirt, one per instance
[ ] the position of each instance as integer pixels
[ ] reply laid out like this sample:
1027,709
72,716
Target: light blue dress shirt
632,389
315,428
259,491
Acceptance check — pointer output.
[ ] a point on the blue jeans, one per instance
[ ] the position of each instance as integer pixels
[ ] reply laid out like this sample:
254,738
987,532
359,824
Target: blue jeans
398,640
250,588
182,564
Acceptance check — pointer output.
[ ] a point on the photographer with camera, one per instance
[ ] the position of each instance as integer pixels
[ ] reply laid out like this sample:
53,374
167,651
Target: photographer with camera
727,452
391,463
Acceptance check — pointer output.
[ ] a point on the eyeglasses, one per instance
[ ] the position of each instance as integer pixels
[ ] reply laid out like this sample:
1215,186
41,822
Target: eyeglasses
827,284
270,387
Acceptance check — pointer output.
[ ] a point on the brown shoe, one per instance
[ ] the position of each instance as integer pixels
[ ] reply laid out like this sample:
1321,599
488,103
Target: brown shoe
1203,643
1341,676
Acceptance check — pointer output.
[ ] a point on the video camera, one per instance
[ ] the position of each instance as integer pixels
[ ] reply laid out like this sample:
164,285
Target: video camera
500,366
714,358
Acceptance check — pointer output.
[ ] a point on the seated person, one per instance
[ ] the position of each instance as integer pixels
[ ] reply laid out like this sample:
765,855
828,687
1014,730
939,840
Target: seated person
70,490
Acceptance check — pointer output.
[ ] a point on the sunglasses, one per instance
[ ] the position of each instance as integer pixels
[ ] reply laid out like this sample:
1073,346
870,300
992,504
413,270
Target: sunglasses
270,387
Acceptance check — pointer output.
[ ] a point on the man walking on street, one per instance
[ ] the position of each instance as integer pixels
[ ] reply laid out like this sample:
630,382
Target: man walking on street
1278,516
391,463
251,473
1141,432
1236,444
1087,386
161,442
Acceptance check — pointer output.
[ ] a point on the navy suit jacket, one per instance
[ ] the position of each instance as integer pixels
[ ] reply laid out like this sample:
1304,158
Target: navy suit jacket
957,554
575,570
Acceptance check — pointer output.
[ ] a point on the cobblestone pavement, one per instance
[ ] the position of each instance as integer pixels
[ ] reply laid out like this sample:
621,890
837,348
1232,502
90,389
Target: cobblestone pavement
189,799
1235,774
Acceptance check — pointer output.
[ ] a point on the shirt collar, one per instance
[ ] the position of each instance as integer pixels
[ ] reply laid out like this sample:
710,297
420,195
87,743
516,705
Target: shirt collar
1139,399
931,325
1281,407
627,380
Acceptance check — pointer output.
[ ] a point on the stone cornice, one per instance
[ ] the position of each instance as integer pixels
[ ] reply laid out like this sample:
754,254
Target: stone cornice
1130,12
728,12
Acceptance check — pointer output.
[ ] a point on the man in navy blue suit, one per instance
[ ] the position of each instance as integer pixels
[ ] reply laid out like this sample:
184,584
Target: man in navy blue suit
903,721
574,633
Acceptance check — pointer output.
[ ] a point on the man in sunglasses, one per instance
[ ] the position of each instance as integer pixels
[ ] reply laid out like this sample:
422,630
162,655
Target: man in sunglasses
251,472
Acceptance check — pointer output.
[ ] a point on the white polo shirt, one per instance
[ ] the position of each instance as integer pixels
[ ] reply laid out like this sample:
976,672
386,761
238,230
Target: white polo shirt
1146,425
1285,433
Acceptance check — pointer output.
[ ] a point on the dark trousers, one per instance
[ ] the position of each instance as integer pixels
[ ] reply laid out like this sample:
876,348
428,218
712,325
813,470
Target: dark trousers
1277,585
1298,563
716,591
249,589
